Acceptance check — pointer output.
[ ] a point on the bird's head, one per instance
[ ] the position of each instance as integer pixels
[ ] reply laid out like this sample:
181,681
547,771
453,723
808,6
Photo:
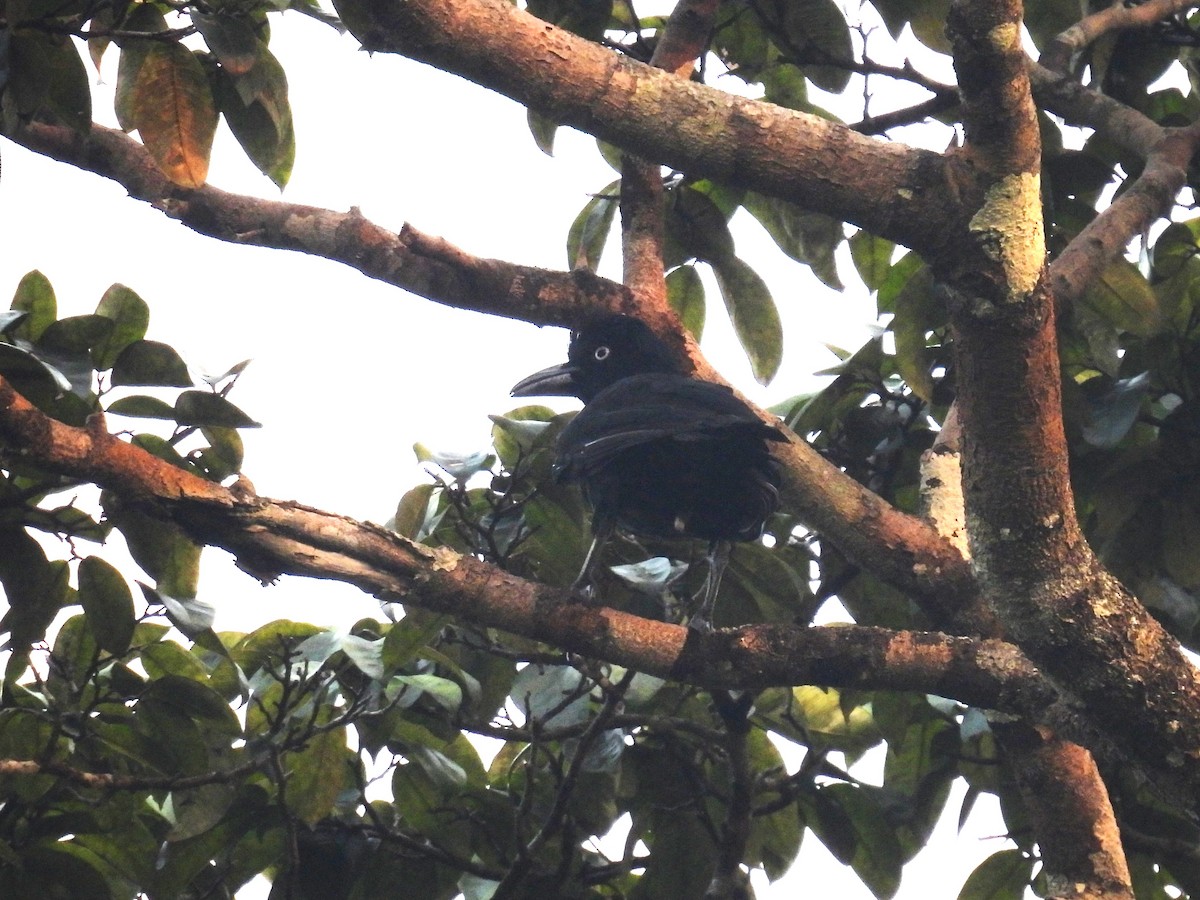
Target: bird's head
600,354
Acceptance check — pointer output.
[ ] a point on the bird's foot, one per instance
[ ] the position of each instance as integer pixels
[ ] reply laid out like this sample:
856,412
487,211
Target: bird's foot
700,624
586,594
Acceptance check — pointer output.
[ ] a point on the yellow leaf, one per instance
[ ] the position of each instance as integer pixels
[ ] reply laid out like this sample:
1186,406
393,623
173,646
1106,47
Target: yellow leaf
174,112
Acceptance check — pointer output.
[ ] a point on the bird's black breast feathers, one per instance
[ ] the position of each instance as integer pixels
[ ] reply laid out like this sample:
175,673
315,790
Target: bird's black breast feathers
664,455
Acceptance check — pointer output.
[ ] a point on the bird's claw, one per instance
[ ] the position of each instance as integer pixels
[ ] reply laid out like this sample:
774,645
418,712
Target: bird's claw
586,594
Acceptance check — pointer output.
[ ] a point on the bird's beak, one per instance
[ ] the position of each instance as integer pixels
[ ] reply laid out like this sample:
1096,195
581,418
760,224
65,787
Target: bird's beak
556,381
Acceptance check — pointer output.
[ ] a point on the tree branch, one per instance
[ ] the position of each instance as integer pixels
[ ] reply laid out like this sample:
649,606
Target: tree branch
278,537
703,131
1071,813
1051,593
863,525
1115,17
1131,213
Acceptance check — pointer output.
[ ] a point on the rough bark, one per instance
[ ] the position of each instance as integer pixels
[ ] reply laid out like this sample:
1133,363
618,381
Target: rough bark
1068,804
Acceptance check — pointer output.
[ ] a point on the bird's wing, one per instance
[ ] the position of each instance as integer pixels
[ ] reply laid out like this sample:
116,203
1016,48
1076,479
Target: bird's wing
647,408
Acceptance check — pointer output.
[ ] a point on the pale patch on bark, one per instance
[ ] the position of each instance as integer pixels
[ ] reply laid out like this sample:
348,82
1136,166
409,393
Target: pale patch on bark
942,497
1005,36
1009,225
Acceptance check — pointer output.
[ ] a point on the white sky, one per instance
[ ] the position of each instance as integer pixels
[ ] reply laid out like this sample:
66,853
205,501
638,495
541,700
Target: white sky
348,372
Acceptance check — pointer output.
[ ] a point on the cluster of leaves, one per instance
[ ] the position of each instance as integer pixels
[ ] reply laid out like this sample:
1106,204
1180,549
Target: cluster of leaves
172,95
343,763
70,368
668,760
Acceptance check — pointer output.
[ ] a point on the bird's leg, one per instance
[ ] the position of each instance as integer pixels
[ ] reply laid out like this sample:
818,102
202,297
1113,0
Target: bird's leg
718,557
583,581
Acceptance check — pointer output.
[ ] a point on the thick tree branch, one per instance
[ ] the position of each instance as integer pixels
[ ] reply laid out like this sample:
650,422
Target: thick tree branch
867,528
276,537
703,131
1000,119
1147,200
1079,839
411,260
1053,597
1130,131
1068,803
1115,17
1166,153
684,38
287,538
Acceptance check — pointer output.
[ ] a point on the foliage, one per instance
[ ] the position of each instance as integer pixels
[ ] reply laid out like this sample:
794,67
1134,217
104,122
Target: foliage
164,759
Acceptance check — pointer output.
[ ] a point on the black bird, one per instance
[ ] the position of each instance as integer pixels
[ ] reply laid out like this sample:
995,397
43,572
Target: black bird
659,454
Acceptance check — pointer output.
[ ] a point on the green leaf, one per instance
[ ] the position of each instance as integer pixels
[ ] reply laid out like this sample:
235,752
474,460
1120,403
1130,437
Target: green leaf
685,293
107,604
406,638
192,616
67,521
160,447
682,856
820,24
47,78
413,511
898,275
820,713
445,692
171,106
75,334
755,318
162,549
543,130
150,363
696,228
233,39
224,454
522,432
860,835
169,658
872,257
774,838
58,869
1113,413
206,408
35,378
1181,540
142,18
10,318
34,587
1002,876
316,775
918,772
256,107
35,296
131,316
918,311
1123,298
807,237
589,232
557,540
548,694
143,406
740,39
784,84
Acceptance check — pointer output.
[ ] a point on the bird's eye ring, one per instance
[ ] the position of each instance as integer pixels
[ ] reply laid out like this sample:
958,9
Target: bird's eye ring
602,353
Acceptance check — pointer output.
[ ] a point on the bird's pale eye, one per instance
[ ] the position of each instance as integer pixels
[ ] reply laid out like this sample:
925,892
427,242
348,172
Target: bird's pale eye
601,353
